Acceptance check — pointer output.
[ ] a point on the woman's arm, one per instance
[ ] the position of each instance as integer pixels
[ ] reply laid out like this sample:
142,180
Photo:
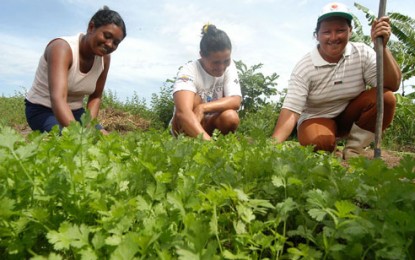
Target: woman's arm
94,100
391,71
285,125
58,55
219,105
184,102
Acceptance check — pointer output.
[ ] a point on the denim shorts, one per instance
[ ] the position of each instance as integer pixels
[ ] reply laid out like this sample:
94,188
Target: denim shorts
42,118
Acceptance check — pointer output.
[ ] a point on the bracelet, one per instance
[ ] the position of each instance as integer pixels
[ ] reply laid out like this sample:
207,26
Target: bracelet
99,127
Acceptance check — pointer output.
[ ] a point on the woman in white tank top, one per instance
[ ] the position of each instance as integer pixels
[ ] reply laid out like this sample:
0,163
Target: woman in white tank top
72,68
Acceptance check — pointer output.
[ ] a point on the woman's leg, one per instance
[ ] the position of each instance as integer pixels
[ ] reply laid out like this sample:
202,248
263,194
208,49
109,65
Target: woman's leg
226,122
318,132
40,117
362,111
358,120
77,113
43,119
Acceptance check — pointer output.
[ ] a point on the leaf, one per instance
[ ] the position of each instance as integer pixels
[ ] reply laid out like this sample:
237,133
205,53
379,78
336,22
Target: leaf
245,213
128,247
240,227
294,181
241,195
344,208
27,151
9,137
69,235
7,207
163,177
98,241
317,214
88,254
304,251
175,201
278,181
337,247
229,255
187,254
286,206
113,240
318,198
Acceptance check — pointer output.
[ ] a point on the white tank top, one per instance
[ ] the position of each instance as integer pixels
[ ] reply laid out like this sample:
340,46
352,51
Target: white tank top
79,84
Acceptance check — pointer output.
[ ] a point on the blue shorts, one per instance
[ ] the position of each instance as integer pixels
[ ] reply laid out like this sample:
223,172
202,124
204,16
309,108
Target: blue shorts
42,118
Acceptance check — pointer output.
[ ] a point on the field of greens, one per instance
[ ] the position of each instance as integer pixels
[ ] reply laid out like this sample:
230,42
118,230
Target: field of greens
142,194
146,195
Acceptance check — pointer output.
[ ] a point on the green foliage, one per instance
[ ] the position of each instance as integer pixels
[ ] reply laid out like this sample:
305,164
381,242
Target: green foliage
134,105
403,28
261,122
12,110
357,34
162,104
403,124
82,195
256,87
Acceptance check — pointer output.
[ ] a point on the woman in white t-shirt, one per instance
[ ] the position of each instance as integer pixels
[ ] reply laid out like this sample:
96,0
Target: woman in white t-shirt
207,93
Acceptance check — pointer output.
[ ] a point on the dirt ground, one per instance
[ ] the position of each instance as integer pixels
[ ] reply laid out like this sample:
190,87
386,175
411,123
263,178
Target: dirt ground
392,158
120,121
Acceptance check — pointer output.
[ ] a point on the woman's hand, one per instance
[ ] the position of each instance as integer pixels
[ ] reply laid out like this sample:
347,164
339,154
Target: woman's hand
381,28
104,132
199,112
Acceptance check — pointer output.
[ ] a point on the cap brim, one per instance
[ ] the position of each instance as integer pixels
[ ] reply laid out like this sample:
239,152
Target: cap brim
333,14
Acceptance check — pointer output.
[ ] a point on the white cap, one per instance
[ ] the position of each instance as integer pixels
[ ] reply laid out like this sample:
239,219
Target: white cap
335,9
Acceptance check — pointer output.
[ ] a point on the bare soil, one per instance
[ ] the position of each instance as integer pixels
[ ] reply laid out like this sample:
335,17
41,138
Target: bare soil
116,120
391,158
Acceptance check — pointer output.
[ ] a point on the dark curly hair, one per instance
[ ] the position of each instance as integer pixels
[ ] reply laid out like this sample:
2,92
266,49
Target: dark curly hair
106,16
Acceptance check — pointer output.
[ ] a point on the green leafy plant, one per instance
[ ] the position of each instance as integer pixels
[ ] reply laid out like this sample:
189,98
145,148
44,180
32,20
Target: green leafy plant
162,104
82,195
256,87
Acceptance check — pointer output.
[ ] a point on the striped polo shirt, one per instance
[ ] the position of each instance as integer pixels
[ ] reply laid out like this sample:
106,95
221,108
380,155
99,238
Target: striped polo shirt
319,89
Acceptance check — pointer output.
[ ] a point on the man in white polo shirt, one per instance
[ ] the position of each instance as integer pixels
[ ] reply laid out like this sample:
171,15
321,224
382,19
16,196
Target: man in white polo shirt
327,92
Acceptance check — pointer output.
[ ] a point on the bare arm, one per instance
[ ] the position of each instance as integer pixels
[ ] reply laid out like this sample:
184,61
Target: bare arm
219,105
285,125
94,100
184,101
391,71
58,55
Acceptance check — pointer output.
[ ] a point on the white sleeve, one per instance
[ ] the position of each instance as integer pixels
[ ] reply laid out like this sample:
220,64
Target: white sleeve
231,82
185,78
369,73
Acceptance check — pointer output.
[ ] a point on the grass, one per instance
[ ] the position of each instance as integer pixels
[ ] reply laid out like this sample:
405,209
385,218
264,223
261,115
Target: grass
12,110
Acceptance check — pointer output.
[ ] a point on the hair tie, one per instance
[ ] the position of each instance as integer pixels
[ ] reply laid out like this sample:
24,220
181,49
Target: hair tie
206,27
